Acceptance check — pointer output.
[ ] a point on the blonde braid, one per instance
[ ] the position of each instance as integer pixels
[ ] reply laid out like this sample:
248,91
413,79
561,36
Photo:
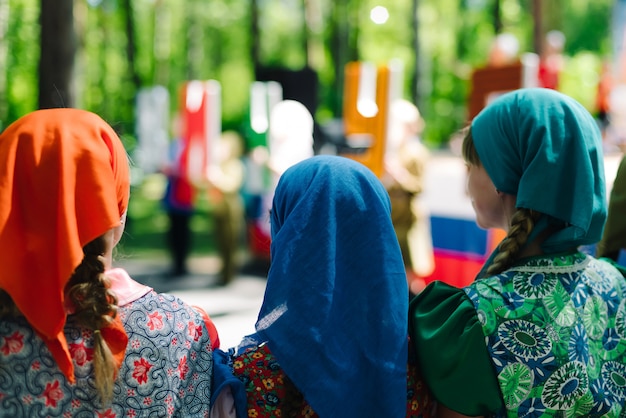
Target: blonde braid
95,307
522,223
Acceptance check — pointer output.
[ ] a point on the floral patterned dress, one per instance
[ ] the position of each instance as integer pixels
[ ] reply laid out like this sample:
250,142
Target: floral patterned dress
166,371
556,333
270,393
545,338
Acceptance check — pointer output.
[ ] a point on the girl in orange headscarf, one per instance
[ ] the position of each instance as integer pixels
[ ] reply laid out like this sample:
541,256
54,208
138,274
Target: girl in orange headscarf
75,334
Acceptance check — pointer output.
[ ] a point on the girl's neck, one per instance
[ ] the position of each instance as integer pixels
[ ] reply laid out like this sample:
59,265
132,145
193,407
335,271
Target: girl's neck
534,248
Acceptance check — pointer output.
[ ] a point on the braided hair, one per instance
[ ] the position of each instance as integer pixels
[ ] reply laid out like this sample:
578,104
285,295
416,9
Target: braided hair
94,307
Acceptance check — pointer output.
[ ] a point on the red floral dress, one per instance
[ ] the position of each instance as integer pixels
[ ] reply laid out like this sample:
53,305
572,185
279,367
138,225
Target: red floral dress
166,371
270,394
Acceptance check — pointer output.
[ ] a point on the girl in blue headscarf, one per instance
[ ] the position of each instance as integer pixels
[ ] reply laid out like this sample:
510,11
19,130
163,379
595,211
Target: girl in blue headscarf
542,330
332,333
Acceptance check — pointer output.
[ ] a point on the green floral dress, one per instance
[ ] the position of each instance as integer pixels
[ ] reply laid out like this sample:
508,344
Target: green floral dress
545,338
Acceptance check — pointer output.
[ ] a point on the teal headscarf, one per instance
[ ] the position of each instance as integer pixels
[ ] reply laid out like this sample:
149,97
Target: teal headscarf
545,148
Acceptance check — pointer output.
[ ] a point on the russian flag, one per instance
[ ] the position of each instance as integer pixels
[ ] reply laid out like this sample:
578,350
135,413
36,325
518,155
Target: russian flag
460,247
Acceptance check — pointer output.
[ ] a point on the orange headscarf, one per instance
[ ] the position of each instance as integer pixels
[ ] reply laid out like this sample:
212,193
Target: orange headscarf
64,181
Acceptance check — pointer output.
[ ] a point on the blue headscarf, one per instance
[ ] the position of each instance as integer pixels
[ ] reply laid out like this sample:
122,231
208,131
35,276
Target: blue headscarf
335,306
545,148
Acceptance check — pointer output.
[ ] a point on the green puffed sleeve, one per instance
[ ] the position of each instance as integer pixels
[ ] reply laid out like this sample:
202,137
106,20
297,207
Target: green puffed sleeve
451,352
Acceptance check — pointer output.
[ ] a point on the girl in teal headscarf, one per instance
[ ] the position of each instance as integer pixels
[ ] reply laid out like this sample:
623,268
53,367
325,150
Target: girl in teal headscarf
542,330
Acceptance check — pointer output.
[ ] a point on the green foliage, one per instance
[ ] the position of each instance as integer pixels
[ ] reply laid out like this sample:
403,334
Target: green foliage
580,79
282,34
147,226
178,40
595,18
22,60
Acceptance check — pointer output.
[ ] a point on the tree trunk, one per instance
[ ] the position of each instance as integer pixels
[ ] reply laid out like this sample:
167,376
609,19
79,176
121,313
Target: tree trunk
415,79
255,42
162,64
538,26
552,15
58,48
306,33
497,19
354,27
195,47
4,55
314,23
130,42
339,34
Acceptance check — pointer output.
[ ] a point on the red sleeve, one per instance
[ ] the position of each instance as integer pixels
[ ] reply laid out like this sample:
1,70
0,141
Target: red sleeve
213,334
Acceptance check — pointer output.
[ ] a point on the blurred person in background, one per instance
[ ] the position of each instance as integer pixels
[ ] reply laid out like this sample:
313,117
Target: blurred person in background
405,162
179,204
225,179
290,136
551,61
504,50
602,102
613,243
290,140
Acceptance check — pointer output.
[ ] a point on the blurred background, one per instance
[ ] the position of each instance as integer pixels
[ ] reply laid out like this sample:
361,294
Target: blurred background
109,49
107,56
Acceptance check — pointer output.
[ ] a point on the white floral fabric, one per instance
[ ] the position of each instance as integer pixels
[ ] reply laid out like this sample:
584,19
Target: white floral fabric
166,371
